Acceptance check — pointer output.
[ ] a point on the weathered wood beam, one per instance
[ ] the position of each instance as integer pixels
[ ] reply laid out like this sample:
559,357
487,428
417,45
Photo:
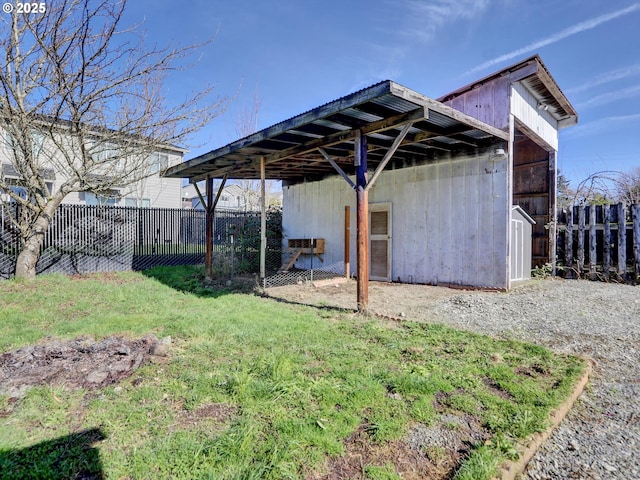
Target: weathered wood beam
606,254
568,249
263,220
362,222
388,155
337,168
215,202
622,241
204,204
323,111
208,248
593,243
430,104
347,241
349,135
210,207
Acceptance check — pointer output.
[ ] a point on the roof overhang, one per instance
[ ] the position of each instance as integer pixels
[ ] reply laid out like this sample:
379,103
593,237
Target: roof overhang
535,76
291,148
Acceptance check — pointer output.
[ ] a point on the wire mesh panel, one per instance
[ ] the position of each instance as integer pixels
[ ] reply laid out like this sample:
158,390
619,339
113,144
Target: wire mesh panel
299,276
9,240
83,239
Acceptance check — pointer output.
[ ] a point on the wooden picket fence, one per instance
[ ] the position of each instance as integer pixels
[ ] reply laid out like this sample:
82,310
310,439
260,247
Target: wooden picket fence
599,242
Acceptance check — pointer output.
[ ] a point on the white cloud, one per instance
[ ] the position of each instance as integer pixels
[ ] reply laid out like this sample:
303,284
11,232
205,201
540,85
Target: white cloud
600,125
425,18
610,97
607,77
556,37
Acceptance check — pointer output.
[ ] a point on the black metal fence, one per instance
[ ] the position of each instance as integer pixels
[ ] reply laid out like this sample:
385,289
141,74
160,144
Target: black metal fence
83,239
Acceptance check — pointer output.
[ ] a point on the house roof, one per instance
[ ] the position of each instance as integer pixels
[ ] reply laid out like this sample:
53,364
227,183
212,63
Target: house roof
189,191
535,76
380,111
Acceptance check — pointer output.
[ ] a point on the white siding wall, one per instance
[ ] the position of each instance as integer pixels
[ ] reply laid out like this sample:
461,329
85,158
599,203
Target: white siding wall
450,220
316,210
162,192
524,107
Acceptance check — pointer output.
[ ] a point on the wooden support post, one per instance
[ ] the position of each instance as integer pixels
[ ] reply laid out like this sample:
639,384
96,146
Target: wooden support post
593,243
362,220
580,240
606,238
208,249
553,211
635,216
622,241
263,220
210,208
568,248
347,241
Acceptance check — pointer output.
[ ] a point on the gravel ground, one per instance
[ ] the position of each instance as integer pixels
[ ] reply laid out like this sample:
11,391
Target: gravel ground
600,437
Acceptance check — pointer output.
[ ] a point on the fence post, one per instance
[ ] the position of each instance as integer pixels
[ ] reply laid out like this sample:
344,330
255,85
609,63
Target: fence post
622,241
593,251
606,239
568,248
580,239
635,214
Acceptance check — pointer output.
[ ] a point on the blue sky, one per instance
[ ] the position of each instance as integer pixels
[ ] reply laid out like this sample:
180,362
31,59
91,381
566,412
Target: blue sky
298,54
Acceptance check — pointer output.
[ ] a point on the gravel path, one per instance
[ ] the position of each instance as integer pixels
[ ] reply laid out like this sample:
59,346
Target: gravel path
600,437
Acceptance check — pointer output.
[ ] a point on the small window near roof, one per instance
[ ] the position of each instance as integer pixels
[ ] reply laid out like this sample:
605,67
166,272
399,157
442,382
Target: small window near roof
158,162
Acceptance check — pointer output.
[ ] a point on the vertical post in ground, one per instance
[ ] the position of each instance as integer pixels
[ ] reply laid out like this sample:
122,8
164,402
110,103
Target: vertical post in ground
362,220
263,220
208,249
347,241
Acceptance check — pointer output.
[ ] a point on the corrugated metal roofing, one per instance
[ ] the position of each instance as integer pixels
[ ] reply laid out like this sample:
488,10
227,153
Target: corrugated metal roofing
379,112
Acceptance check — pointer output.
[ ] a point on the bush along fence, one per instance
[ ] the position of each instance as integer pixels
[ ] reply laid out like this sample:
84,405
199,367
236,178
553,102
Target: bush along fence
600,242
84,239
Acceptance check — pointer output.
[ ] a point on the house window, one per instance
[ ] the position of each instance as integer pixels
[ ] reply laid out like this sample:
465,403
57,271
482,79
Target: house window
158,162
137,202
109,200
101,152
224,198
18,186
37,143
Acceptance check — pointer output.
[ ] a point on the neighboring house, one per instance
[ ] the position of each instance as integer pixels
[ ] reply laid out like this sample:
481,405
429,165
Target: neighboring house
455,184
153,191
242,198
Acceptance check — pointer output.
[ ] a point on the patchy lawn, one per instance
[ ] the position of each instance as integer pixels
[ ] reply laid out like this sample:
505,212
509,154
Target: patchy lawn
255,388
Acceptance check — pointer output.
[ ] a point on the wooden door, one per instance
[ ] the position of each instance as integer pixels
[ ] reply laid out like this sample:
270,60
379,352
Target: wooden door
380,242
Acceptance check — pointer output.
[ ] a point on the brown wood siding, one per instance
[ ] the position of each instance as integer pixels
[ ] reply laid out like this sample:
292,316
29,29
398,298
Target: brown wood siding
489,103
532,191
379,253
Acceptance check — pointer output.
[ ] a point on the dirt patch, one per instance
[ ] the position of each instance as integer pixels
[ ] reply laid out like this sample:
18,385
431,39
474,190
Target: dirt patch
391,299
79,363
426,453
215,415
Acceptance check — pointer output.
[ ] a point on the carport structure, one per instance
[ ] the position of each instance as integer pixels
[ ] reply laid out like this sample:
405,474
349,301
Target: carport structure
355,137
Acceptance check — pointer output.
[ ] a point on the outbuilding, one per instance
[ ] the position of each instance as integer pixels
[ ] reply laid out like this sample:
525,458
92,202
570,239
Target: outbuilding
414,189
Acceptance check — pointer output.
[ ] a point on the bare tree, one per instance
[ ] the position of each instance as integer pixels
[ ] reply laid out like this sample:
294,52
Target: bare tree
245,124
81,95
609,186
628,187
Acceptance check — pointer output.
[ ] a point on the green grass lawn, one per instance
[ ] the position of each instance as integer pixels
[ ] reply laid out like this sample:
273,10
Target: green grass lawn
256,388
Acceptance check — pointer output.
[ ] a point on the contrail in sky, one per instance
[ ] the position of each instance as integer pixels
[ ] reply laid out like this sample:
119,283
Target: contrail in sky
608,77
611,96
567,32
